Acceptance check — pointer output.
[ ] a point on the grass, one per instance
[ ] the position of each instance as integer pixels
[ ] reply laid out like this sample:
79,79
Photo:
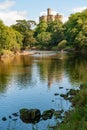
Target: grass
77,118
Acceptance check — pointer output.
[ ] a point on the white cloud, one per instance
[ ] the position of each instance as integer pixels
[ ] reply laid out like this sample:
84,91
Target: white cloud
6,4
9,16
79,9
75,10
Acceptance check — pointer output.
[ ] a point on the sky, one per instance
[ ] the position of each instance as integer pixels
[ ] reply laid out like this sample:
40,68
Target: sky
12,10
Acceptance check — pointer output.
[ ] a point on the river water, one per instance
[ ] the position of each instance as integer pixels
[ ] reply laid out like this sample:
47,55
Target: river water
33,81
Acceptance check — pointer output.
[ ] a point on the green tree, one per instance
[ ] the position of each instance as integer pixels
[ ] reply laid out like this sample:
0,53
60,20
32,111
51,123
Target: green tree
29,39
44,39
49,33
13,39
24,27
41,27
56,29
9,38
81,39
76,30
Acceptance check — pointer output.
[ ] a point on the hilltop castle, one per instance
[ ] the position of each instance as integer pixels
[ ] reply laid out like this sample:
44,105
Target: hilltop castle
50,17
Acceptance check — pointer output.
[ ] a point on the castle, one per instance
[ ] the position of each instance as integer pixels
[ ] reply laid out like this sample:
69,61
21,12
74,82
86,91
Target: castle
50,17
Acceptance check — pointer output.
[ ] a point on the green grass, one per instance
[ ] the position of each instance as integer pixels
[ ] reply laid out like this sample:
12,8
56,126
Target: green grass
77,118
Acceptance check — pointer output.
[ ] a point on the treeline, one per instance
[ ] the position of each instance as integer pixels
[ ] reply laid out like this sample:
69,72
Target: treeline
46,36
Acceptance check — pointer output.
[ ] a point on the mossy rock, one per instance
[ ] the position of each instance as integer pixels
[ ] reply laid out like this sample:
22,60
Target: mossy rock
73,92
58,114
30,115
47,114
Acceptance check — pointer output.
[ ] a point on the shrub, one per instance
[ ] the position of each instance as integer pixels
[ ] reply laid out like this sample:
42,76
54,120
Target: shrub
62,44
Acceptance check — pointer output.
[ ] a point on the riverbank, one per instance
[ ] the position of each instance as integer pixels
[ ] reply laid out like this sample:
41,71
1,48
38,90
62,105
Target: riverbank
76,119
10,54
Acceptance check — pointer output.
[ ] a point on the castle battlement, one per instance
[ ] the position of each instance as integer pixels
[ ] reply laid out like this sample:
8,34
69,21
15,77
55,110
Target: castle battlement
50,17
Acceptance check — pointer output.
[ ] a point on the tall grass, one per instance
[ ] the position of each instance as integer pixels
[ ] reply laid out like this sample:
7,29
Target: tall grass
77,118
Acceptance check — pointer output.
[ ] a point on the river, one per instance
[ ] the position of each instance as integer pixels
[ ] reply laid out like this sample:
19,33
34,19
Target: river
37,81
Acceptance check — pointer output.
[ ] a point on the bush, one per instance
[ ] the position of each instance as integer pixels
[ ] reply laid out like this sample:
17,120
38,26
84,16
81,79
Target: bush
62,44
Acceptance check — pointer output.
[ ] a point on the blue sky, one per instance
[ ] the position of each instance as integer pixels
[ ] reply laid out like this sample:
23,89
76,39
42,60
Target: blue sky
10,10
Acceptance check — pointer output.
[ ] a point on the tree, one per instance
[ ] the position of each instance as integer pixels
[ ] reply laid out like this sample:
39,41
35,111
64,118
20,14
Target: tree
29,39
24,27
41,27
44,39
76,30
9,38
56,29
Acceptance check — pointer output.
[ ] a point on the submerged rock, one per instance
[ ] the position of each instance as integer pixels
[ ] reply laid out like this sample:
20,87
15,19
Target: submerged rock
14,119
60,87
4,118
57,114
47,114
15,114
10,117
56,94
65,96
30,115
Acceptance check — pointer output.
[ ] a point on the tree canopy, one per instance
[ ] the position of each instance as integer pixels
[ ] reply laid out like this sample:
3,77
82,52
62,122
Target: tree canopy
76,30
46,35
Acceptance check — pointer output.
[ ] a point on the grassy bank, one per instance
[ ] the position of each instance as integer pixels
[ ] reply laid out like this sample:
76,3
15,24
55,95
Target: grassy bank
77,118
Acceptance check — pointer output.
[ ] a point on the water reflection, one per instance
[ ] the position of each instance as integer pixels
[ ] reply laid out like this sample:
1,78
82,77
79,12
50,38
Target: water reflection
76,67
35,82
48,68
51,70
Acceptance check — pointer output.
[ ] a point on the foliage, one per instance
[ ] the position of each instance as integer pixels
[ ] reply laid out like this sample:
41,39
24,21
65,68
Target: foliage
46,35
41,27
49,33
44,40
9,38
6,52
29,40
56,28
77,118
76,30
62,44
24,27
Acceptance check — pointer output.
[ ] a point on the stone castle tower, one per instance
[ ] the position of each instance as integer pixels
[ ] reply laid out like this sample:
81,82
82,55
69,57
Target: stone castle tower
50,17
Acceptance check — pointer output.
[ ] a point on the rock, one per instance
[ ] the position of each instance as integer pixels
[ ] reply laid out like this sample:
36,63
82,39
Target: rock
15,114
67,88
4,118
56,94
30,115
14,119
60,87
72,92
10,117
47,114
57,114
65,96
